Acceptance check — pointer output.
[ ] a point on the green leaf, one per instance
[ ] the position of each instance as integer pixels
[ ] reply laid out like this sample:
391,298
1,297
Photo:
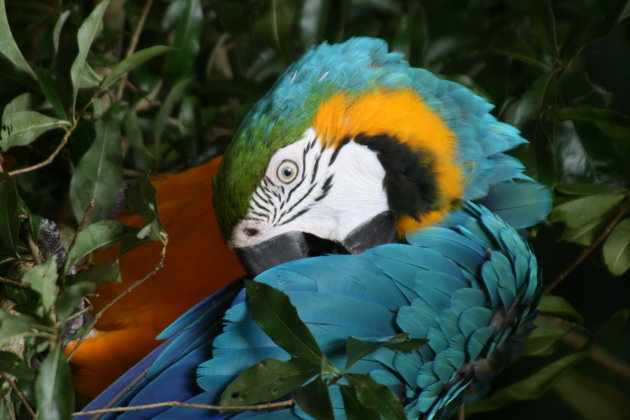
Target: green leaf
592,399
88,31
9,215
43,279
312,21
99,173
617,248
353,408
558,306
357,349
70,298
187,37
541,341
8,47
581,188
12,364
532,387
53,388
510,44
51,85
376,397
612,123
314,399
544,25
616,323
267,381
142,200
167,107
576,213
19,103
107,271
132,62
142,158
13,326
99,235
277,317
22,127
61,20
530,106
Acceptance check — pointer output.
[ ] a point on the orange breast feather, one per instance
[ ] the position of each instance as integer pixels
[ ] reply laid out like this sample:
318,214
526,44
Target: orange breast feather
197,264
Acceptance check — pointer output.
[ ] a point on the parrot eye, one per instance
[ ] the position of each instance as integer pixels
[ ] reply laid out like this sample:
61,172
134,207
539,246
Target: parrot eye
287,171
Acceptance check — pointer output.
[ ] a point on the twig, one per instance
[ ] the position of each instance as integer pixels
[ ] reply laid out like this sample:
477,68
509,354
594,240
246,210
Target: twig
49,159
37,256
13,282
133,44
622,211
257,407
461,412
21,396
596,353
124,293
86,215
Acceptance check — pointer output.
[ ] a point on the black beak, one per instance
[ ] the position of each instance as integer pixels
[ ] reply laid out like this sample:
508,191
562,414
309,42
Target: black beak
296,245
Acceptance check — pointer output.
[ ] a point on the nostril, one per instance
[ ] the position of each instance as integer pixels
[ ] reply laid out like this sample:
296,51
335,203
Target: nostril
250,232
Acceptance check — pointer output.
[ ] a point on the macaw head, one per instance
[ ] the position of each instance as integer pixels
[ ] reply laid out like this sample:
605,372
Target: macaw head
351,146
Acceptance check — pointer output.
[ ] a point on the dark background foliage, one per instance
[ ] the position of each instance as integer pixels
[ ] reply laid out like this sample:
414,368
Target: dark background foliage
558,70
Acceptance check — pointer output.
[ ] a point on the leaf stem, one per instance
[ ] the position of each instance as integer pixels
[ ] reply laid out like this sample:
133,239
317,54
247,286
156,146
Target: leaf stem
13,282
49,159
21,396
86,215
622,211
125,292
133,43
257,407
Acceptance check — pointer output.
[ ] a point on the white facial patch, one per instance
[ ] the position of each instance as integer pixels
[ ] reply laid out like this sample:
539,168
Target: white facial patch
333,192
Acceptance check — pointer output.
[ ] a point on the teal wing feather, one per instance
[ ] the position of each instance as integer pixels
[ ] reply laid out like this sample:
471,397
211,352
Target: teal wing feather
469,286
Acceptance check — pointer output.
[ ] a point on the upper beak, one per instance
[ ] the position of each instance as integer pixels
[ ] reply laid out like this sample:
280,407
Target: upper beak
295,245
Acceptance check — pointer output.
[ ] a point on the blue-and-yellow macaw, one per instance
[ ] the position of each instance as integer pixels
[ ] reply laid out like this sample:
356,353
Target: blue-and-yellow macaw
353,151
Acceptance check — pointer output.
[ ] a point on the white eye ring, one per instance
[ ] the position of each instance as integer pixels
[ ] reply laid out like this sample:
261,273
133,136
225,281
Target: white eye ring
287,171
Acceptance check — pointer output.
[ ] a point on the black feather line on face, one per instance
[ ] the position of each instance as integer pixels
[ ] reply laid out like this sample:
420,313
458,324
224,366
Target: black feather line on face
410,179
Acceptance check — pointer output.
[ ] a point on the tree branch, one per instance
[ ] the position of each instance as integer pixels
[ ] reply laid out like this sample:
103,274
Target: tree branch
257,407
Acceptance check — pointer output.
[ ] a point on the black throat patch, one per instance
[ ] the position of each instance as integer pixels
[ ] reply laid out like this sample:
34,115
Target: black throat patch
410,182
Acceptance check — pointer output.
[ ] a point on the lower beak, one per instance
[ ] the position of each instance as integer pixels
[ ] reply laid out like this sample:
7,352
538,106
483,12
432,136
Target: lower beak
295,245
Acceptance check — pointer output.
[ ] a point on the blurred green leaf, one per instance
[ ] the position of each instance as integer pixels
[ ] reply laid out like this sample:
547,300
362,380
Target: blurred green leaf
12,364
166,109
9,216
274,313
51,85
592,399
313,16
581,188
22,127
268,380
132,62
376,397
533,386
542,339
353,408
314,400
88,31
614,124
576,213
99,235
61,20
99,174
617,322
142,200
544,25
531,104
8,47
13,326
53,388
560,307
43,279
508,43
357,349
70,298
107,271
19,103
617,248
141,156
180,65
